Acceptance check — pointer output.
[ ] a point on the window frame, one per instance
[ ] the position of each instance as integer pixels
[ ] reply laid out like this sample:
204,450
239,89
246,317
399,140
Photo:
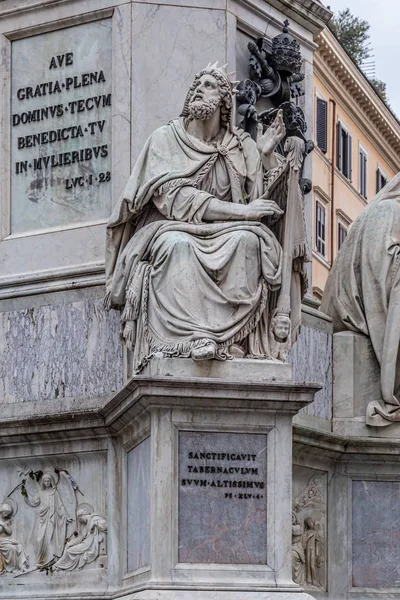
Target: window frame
320,240
344,152
320,98
363,171
339,228
381,173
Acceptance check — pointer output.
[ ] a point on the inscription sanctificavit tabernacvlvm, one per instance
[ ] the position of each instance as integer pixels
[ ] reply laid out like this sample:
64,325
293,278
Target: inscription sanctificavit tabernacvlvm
61,85
236,484
217,473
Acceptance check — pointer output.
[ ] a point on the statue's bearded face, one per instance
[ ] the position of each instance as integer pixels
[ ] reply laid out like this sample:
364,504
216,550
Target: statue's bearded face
206,98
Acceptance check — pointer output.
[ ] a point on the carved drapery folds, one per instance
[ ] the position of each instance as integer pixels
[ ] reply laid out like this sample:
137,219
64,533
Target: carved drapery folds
65,535
13,557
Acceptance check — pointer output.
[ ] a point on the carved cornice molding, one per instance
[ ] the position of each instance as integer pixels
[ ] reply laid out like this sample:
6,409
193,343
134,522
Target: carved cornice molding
344,448
309,13
342,215
336,69
52,281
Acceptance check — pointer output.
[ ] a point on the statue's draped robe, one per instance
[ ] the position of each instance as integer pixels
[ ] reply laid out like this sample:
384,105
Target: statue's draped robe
85,548
183,281
50,528
363,293
12,554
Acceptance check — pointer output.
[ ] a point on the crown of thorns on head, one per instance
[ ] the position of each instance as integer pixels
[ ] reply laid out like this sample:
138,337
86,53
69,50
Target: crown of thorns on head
226,86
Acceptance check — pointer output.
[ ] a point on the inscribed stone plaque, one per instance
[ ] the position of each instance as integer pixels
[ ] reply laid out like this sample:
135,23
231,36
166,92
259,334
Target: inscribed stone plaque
376,534
139,483
222,498
61,127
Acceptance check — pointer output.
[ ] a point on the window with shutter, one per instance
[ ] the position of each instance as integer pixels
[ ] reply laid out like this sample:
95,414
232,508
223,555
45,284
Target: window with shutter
349,173
363,172
342,234
381,180
320,229
344,151
322,124
339,147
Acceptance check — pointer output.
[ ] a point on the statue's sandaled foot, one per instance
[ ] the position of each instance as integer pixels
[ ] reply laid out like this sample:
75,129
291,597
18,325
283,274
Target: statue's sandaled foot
204,353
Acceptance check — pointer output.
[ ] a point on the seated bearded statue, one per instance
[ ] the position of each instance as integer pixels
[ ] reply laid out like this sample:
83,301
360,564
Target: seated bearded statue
189,261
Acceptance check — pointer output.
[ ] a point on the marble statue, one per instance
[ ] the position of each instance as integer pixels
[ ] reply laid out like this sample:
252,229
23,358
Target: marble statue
50,530
191,259
13,557
85,547
363,293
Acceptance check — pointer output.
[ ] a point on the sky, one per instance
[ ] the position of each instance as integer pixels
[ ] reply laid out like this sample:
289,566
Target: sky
384,18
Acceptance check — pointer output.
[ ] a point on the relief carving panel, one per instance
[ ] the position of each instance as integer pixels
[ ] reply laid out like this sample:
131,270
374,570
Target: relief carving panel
309,528
45,526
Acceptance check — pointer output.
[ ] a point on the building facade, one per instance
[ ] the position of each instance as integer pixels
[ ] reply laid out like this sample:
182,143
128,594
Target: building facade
357,150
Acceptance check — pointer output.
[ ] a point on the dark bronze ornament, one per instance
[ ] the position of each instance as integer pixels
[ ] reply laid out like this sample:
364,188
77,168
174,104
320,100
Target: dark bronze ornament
274,73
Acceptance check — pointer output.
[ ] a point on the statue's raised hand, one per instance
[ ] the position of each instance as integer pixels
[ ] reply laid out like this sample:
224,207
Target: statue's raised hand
268,141
262,207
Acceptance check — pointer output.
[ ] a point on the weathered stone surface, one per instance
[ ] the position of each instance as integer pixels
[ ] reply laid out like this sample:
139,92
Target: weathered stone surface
356,374
74,66
311,357
43,532
375,534
191,38
222,516
139,483
242,369
69,350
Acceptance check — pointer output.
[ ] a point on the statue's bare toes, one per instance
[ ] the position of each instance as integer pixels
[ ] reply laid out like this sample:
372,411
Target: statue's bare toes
204,353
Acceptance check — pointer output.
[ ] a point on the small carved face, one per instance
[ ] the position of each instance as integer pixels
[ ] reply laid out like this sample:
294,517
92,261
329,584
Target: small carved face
309,523
5,511
47,481
281,329
207,90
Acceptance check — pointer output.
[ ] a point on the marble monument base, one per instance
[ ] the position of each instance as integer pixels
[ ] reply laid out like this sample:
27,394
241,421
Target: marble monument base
242,369
357,388
244,594
209,480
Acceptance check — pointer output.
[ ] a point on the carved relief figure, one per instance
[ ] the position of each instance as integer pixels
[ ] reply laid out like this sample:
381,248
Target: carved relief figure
298,556
312,551
308,537
363,293
85,547
50,529
13,557
63,536
190,260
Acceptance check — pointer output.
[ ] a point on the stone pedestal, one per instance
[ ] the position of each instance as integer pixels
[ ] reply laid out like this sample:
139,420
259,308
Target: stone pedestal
356,383
209,483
